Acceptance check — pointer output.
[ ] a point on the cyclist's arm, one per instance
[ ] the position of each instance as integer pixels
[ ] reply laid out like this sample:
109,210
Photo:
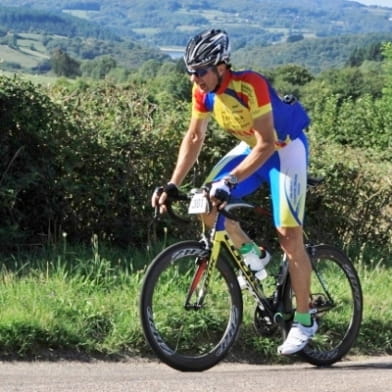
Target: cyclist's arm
189,149
263,127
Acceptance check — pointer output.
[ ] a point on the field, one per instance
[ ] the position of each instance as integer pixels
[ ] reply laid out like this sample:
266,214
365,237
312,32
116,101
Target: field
27,51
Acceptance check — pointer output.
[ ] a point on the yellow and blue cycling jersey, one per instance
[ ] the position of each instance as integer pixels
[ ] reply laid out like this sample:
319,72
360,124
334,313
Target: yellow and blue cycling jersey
244,96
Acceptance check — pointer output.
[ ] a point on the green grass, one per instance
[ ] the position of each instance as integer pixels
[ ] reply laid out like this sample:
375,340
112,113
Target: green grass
43,80
70,301
77,301
28,53
17,56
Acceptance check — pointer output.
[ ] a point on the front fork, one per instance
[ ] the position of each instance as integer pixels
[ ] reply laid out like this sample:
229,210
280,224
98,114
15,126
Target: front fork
197,284
205,265
201,278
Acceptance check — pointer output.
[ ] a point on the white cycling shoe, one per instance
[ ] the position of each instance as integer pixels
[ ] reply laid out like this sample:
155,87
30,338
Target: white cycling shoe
297,338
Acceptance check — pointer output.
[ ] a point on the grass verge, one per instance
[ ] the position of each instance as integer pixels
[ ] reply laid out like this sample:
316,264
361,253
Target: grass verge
83,303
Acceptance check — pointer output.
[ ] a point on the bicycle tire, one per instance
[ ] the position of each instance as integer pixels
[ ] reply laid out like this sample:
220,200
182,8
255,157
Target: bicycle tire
339,323
189,339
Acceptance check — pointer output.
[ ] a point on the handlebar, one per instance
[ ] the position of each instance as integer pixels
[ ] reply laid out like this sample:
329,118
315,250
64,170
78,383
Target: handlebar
180,196
227,211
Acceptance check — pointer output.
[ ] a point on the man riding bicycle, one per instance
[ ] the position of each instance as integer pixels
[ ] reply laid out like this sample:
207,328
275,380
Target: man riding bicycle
273,149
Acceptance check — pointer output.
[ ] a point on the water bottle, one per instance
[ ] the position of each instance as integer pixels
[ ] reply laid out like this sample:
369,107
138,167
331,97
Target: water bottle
256,258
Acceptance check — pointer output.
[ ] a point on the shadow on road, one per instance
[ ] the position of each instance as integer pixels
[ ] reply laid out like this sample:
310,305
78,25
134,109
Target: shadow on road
366,365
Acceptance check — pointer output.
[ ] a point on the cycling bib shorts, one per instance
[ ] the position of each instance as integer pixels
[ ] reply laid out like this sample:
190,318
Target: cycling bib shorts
285,172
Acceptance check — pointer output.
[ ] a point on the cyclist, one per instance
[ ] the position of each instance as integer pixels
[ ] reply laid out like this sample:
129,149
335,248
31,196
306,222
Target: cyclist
273,149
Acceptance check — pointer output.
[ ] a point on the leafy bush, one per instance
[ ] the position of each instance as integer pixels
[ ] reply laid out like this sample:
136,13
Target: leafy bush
353,207
358,123
33,144
124,144
83,159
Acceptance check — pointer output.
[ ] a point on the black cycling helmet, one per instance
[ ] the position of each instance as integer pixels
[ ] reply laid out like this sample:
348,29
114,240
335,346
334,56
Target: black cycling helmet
210,47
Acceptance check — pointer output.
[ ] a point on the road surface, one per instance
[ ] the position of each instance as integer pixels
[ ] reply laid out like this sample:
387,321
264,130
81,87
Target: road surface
369,374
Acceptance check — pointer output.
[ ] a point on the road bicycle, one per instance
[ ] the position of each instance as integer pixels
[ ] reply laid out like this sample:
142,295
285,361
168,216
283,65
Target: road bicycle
191,303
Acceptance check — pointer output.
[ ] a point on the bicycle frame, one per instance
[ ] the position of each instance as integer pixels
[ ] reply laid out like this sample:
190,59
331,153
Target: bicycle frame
219,242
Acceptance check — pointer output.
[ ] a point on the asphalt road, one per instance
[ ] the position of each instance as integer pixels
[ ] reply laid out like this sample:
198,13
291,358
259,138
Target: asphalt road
370,374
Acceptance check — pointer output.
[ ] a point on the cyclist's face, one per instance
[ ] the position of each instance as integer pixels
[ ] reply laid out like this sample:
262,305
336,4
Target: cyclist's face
206,78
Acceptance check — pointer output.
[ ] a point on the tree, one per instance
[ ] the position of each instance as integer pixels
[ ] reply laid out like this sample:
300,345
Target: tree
387,66
288,79
99,68
385,103
345,83
295,38
371,52
149,69
64,65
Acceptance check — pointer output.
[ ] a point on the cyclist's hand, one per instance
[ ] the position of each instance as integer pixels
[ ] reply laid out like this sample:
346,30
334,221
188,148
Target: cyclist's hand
160,195
220,192
158,199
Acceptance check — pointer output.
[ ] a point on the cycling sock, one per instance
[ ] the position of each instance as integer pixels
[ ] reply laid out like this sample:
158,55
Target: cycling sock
303,318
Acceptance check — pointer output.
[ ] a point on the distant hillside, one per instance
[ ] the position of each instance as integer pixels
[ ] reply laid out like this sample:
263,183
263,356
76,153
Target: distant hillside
250,22
317,34
314,54
24,19
30,52
28,37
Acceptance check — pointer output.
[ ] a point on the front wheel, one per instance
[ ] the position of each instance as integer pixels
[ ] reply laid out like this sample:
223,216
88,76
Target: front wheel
336,303
190,318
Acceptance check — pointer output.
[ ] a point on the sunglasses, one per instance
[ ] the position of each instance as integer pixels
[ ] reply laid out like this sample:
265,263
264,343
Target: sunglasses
200,72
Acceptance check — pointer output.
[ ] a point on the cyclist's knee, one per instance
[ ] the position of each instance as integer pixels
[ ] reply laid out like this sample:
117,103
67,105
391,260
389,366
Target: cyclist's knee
291,239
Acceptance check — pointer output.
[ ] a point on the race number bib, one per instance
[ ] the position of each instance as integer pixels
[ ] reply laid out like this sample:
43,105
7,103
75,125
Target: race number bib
199,204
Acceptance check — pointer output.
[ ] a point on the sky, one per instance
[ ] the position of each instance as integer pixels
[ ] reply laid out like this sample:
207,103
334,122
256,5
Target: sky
384,3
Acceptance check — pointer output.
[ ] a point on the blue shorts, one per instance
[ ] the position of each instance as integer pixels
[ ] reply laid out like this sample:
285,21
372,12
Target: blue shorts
285,172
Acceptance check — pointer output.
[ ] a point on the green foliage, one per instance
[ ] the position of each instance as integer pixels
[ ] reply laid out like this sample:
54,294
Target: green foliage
109,145
315,54
345,83
125,145
351,146
290,79
332,35
371,52
387,90
33,132
23,19
352,208
344,112
98,68
174,21
64,65
358,123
